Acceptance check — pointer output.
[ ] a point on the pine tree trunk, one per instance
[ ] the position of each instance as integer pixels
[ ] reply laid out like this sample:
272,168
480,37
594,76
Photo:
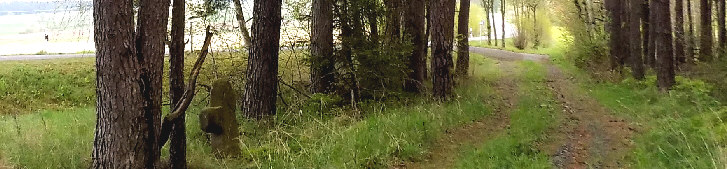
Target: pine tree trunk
442,38
679,41
634,32
463,47
414,28
240,16
722,30
393,20
502,14
646,31
492,6
178,138
618,49
486,4
692,35
322,64
650,59
261,79
129,74
706,39
665,53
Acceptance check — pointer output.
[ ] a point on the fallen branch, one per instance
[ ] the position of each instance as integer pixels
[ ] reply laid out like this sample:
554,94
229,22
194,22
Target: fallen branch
188,95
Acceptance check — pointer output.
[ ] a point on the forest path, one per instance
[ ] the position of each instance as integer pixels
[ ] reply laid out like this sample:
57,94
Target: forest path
587,137
444,153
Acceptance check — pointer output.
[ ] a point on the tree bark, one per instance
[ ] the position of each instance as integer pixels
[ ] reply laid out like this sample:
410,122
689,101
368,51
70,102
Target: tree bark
650,59
240,16
492,6
665,53
178,145
129,68
393,20
486,4
414,28
721,29
502,14
679,41
634,31
322,63
463,47
442,37
692,35
646,31
618,49
706,39
261,79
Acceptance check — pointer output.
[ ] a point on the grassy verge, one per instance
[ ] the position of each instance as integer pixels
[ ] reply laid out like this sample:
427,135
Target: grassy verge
536,112
680,129
313,134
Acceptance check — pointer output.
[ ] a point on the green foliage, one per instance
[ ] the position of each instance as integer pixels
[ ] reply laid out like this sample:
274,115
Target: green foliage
517,147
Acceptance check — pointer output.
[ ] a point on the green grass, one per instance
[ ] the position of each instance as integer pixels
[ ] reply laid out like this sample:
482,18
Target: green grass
536,112
300,136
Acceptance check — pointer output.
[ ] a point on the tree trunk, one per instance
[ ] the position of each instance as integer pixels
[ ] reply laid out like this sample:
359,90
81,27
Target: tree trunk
393,20
634,31
442,38
692,35
706,39
427,37
502,14
261,79
486,4
321,49
650,59
374,22
646,31
721,27
463,33
665,55
414,28
679,32
492,6
178,145
618,49
243,26
129,74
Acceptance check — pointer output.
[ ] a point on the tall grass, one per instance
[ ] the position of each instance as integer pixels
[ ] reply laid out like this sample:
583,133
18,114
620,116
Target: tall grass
536,112
319,136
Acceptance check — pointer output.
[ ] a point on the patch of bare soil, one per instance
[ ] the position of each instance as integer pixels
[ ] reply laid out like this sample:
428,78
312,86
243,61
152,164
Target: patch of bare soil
589,137
445,150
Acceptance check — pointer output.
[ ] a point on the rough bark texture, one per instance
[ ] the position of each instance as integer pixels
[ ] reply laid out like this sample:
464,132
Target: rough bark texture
442,38
634,32
414,29
321,49
463,33
665,53
646,30
618,42
502,10
706,39
240,16
261,80
494,28
650,58
129,68
178,142
692,35
393,20
721,29
679,41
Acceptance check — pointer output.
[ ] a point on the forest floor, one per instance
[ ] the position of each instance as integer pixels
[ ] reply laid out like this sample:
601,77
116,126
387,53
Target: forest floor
585,136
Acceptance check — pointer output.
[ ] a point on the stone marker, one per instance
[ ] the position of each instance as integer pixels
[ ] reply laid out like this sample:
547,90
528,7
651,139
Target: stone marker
219,120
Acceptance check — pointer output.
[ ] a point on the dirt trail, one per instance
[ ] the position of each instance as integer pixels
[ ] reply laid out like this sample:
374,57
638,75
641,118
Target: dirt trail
445,151
589,137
